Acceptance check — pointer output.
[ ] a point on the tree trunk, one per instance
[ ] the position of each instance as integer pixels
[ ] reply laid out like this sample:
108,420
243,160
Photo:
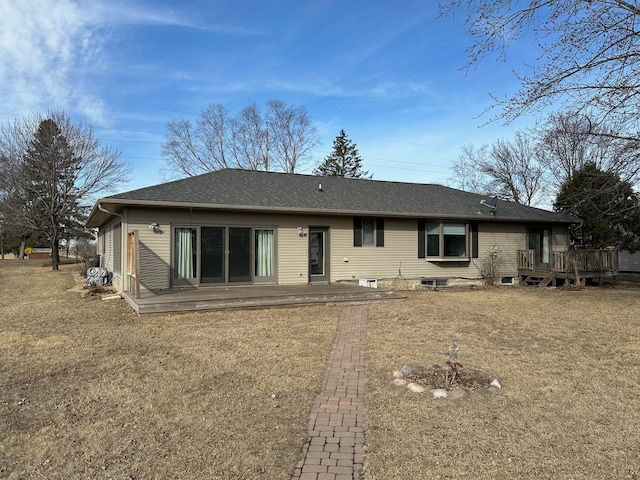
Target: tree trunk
55,254
23,243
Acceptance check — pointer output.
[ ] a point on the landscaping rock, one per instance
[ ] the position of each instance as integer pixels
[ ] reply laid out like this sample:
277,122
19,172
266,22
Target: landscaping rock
414,387
439,393
458,393
437,379
411,369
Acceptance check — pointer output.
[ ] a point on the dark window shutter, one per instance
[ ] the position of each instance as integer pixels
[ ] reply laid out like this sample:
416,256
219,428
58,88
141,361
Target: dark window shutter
357,231
473,229
380,232
421,239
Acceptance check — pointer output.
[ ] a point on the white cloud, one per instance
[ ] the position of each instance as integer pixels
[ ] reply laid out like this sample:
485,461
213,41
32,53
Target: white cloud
50,50
44,46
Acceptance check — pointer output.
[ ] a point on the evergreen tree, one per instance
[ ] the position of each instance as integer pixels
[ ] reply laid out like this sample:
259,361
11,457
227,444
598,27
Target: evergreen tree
344,160
51,170
51,200
607,206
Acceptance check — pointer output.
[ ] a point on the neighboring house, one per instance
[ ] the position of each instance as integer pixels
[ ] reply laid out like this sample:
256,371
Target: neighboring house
629,262
233,227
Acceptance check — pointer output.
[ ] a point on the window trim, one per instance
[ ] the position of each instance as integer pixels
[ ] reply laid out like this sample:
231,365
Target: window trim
471,241
378,232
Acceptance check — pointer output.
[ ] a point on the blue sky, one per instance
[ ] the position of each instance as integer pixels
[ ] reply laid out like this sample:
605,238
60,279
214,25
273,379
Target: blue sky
388,73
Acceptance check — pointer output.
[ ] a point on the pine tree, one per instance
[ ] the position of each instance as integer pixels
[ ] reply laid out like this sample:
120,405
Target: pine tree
343,161
51,200
608,207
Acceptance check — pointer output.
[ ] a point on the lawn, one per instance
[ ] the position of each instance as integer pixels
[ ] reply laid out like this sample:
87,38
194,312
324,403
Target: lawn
90,390
569,362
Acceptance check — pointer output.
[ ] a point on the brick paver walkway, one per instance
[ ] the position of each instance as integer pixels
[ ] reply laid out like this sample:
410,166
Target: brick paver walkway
335,449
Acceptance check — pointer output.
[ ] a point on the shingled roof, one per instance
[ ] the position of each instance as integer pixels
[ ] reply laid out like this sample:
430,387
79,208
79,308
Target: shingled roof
232,189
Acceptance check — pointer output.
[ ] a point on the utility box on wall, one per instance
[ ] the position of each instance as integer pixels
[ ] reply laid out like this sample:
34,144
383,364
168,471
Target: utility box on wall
368,282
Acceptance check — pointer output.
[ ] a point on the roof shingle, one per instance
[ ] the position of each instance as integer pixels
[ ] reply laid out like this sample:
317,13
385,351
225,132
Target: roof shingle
257,190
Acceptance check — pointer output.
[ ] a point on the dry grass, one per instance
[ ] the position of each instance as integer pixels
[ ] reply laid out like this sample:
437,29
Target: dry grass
89,390
569,362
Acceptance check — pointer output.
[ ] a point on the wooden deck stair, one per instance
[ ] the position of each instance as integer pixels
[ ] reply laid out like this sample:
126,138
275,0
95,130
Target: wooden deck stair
541,281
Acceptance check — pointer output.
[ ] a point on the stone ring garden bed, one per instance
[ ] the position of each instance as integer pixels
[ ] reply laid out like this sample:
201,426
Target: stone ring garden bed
437,379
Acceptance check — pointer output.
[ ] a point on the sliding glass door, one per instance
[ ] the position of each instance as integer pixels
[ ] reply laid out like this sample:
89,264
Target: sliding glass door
222,255
239,254
185,256
212,255
264,243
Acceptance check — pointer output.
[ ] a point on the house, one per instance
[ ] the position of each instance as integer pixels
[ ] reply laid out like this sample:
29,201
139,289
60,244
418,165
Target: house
239,227
629,262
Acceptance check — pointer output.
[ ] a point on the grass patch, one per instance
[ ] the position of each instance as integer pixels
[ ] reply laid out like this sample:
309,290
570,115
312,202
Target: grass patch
569,362
89,390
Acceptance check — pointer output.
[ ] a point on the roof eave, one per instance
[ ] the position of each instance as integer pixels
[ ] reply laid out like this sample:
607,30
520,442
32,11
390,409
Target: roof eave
261,208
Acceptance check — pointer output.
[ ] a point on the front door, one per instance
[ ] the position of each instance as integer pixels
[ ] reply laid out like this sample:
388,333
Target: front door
318,255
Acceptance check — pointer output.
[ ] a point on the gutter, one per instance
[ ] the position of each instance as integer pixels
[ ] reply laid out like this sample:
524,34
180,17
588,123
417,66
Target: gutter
337,212
102,209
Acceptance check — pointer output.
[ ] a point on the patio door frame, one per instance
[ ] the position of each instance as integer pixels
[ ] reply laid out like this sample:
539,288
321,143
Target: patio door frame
319,255
539,240
246,258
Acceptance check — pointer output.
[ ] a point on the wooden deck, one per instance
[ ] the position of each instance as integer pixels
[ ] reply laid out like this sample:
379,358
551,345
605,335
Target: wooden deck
567,267
253,296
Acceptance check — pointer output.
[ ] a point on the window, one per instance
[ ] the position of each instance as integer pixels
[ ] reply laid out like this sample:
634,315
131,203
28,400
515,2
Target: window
433,240
434,282
445,240
368,231
455,239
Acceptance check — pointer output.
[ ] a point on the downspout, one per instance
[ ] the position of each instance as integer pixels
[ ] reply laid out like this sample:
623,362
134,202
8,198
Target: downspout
122,257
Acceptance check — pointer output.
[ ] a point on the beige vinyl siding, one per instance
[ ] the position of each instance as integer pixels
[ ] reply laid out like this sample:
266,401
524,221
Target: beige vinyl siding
155,248
107,250
400,253
106,258
559,238
398,256
508,238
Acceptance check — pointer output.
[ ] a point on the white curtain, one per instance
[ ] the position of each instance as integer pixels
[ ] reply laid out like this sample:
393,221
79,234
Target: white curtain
264,253
184,252
545,246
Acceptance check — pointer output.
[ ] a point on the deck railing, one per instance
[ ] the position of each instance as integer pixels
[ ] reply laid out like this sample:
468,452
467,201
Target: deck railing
571,261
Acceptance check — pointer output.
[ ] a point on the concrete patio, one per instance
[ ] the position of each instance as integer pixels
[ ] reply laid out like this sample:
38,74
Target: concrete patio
253,296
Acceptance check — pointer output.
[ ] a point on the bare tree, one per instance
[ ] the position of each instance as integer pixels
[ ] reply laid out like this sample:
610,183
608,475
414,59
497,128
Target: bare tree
467,170
278,140
589,54
569,141
293,135
51,170
510,170
251,139
514,171
194,150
